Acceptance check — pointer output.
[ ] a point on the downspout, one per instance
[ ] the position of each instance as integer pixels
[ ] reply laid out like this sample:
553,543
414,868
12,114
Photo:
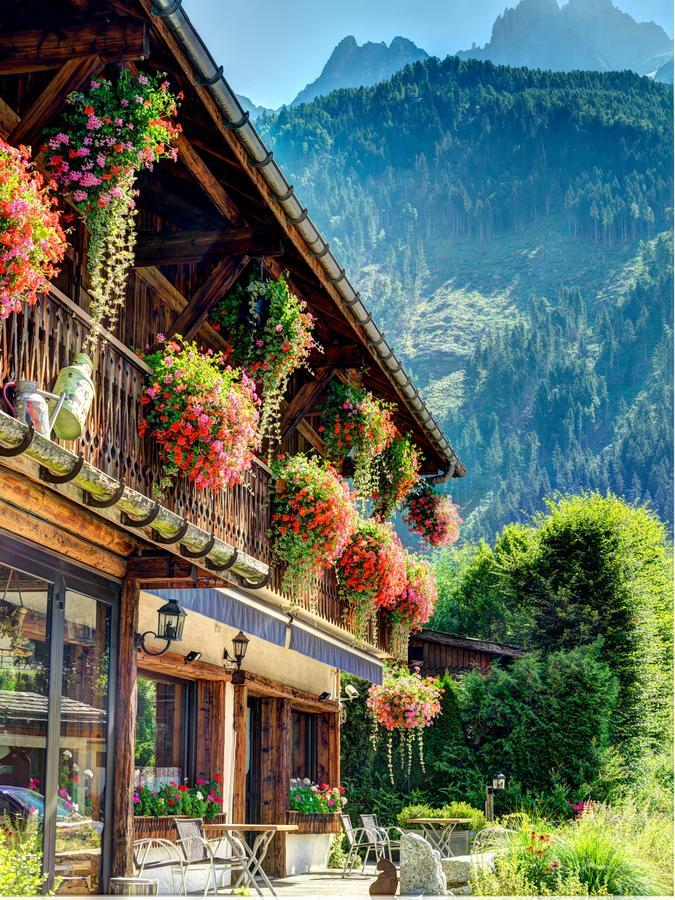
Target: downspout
210,76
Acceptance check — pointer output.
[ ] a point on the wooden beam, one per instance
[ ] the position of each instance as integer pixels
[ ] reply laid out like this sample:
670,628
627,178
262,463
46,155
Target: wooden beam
36,49
125,732
220,281
239,780
262,686
178,247
304,401
206,180
174,664
72,76
210,755
312,437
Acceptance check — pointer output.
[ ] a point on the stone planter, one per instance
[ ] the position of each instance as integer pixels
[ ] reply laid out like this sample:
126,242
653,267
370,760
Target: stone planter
163,826
314,823
306,853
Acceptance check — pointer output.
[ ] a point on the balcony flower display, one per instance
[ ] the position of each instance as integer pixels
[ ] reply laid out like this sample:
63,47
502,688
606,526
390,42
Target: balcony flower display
270,331
432,515
398,469
32,243
414,605
356,423
371,572
202,800
105,137
313,518
202,413
309,799
404,703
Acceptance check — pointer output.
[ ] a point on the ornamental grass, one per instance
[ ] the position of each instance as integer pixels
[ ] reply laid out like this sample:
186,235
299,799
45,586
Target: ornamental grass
202,413
432,515
32,242
313,518
104,139
371,572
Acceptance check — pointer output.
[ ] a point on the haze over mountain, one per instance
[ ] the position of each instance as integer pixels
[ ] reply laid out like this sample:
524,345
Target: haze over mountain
582,34
509,227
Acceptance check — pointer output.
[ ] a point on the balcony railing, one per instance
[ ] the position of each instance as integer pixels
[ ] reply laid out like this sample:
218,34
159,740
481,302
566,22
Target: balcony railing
45,337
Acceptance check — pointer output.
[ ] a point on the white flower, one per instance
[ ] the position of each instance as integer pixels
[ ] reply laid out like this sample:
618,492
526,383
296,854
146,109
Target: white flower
200,796
67,754
76,768
343,801
306,781
88,773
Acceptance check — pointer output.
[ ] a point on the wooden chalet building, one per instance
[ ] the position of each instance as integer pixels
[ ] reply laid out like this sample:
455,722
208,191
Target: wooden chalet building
87,555
438,652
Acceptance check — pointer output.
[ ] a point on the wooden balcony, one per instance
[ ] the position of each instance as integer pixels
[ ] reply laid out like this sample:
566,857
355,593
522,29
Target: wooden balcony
37,343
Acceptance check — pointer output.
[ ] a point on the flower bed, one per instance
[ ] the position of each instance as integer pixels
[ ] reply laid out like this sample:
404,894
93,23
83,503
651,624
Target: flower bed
315,808
199,801
202,413
32,243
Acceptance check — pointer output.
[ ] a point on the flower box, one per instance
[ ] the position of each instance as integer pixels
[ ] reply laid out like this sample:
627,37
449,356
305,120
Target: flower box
314,823
164,826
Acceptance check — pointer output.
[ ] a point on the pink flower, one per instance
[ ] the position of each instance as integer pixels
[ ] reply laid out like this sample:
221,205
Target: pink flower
80,196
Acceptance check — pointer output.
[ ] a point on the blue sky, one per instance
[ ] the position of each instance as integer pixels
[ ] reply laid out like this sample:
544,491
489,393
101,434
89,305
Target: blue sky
270,50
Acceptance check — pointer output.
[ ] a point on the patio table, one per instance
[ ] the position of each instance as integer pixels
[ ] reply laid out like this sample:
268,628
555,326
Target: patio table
439,832
257,851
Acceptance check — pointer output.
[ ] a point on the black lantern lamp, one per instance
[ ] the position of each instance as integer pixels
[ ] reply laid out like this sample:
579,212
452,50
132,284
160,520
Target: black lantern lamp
170,622
239,647
498,784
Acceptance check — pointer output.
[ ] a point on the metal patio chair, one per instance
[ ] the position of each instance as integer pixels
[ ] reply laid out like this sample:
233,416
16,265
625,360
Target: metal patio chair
390,836
198,854
358,839
162,854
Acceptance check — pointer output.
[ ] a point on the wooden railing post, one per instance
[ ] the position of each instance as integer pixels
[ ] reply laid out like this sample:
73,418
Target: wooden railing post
125,732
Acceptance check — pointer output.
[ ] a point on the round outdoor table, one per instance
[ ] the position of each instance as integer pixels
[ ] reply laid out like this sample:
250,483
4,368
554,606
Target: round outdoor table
257,851
439,832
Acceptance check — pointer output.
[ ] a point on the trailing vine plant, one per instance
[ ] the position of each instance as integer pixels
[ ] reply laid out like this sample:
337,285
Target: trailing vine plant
203,414
404,703
270,332
356,424
32,242
398,470
432,515
105,137
371,572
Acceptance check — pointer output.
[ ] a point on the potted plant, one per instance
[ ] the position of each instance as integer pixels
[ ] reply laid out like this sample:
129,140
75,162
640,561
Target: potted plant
312,518
270,333
203,414
315,808
398,470
432,515
106,136
155,810
404,703
371,572
410,609
32,242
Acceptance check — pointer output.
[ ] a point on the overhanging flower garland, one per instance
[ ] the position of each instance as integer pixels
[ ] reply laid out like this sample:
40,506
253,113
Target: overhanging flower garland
203,414
398,469
313,518
356,422
32,243
371,572
270,331
432,515
414,605
104,139
405,703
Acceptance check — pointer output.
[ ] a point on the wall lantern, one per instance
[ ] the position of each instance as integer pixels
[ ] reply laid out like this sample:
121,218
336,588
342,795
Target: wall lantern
170,622
498,784
239,647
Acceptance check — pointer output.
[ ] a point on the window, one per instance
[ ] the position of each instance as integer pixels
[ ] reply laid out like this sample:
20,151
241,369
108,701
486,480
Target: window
304,757
163,726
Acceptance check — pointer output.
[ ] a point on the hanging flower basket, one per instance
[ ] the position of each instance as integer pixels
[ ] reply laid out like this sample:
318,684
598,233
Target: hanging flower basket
371,572
414,605
104,139
312,520
398,470
404,703
32,243
270,332
356,423
203,414
432,515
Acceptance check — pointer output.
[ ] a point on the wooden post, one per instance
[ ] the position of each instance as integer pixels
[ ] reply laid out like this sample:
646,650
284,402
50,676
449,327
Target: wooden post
239,780
125,733
210,734
282,779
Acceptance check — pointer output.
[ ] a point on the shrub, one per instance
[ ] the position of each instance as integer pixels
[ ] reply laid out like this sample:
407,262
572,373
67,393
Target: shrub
455,810
21,860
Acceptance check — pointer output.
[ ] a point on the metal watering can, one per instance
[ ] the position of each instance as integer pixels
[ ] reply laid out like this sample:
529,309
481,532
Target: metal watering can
30,405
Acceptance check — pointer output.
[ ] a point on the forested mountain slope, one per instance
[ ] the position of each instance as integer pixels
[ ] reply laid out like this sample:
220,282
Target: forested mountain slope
504,224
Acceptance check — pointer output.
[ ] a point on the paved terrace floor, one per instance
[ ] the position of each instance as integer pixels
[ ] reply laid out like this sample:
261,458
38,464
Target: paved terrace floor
325,884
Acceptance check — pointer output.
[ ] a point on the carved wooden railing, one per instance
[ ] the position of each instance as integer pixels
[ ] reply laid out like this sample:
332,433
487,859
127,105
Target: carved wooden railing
35,344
